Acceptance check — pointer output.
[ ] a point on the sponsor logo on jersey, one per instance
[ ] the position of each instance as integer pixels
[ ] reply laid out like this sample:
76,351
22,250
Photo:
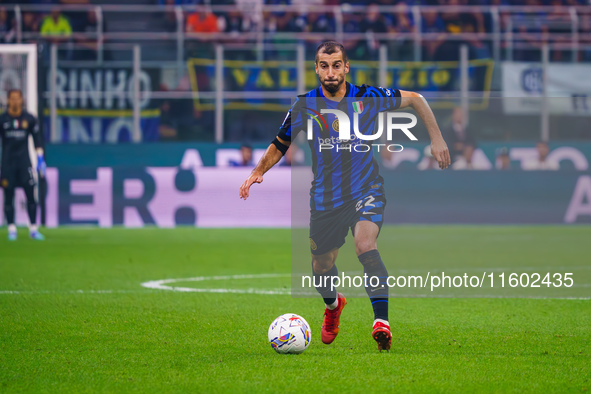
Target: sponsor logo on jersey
16,134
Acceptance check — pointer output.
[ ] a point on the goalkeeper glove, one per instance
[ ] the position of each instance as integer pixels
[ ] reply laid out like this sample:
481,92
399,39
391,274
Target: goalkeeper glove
41,166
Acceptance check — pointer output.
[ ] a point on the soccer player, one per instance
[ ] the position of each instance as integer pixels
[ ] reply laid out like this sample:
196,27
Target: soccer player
16,125
347,191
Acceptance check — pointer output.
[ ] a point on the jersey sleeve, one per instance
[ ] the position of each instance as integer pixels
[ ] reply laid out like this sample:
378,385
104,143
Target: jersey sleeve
292,124
388,99
34,131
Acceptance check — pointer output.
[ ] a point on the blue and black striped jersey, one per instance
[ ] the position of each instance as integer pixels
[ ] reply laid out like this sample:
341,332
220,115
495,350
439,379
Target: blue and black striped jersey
345,175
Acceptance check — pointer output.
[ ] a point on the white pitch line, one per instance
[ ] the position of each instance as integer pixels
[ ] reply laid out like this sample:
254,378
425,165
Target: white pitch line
70,291
162,284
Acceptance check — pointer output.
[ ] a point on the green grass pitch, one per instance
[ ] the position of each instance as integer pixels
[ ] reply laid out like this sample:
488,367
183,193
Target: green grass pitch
75,318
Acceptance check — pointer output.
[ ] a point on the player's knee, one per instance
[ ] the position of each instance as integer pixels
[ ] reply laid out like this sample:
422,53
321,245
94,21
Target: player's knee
322,263
364,245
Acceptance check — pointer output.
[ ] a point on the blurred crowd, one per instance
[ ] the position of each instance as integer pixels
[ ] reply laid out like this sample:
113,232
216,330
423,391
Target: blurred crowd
368,27
57,26
467,155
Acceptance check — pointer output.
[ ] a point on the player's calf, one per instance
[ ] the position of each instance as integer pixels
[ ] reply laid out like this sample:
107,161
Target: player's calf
376,286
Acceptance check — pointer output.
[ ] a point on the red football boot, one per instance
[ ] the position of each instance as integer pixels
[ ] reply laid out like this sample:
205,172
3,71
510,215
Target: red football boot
382,335
330,326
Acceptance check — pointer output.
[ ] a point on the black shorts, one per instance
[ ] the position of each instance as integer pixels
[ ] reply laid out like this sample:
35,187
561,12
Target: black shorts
328,229
16,175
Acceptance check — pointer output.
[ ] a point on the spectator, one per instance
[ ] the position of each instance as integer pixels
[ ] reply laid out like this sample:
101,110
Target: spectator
351,24
202,22
403,22
541,162
428,162
373,23
432,23
30,25
320,23
234,24
7,31
88,43
56,25
91,26
298,23
462,22
293,157
289,22
467,160
250,11
246,153
402,48
169,22
503,161
167,128
458,135
559,22
78,19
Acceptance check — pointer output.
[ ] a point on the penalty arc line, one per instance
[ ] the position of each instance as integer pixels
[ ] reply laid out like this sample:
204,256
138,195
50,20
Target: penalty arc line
162,284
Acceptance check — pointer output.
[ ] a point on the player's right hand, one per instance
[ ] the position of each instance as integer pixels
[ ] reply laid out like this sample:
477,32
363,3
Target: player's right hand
253,178
41,166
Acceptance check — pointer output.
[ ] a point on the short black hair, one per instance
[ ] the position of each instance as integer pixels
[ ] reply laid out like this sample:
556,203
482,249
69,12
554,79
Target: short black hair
330,47
11,91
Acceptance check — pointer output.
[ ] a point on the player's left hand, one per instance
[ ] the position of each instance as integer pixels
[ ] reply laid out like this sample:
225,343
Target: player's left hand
253,178
41,166
440,152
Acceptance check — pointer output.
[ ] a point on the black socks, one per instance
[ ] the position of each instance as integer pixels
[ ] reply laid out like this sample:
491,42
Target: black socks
322,282
373,266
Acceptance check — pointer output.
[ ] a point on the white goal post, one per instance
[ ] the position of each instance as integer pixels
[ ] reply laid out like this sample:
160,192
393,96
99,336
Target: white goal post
27,81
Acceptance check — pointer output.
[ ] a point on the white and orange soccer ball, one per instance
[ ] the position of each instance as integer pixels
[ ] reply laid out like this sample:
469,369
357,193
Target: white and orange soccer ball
290,333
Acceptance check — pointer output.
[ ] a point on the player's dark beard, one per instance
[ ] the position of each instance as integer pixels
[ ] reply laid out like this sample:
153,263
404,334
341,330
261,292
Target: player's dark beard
332,87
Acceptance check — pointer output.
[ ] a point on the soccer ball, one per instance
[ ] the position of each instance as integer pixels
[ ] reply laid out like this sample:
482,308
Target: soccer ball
290,333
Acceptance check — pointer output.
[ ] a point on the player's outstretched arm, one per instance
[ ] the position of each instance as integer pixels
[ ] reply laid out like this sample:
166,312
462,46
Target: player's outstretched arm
270,158
439,148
